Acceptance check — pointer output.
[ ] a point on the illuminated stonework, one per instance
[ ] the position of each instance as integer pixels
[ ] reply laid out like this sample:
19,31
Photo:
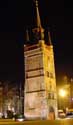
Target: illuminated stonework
40,83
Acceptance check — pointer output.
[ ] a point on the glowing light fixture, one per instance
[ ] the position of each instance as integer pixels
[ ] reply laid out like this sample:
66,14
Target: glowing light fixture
62,93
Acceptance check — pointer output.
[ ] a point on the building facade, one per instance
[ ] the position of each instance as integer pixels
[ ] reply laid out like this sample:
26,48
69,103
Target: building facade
10,98
40,82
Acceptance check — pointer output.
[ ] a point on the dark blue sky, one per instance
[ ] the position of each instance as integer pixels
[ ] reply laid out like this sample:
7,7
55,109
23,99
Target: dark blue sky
16,15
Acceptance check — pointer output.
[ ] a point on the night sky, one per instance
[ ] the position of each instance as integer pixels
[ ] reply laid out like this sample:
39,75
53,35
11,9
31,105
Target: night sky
15,16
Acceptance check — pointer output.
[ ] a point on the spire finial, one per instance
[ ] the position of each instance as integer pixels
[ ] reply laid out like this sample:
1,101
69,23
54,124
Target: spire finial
36,3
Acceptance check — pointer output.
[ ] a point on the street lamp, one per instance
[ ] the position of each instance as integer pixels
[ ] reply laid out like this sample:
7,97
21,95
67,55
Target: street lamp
62,100
62,93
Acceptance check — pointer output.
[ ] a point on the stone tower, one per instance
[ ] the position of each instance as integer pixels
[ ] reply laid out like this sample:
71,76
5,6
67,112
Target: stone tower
40,99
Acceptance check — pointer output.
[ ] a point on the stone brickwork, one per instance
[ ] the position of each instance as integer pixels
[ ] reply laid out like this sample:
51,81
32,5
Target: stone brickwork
40,82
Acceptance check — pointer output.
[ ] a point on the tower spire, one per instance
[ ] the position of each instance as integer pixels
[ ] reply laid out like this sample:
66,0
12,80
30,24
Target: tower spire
38,30
38,21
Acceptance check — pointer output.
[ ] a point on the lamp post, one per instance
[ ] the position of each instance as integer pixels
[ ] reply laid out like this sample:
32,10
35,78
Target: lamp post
62,95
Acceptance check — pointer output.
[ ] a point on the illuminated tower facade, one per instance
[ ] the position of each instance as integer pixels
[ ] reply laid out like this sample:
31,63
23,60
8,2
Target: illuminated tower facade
40,100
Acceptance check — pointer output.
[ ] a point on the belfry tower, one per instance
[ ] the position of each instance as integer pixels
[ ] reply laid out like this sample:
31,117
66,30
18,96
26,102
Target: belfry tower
40,100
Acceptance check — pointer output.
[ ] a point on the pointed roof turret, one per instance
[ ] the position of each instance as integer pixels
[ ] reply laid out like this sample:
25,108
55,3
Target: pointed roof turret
27,35
49,38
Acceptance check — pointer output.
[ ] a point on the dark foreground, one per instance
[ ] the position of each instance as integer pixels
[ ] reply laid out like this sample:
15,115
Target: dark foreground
38,122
